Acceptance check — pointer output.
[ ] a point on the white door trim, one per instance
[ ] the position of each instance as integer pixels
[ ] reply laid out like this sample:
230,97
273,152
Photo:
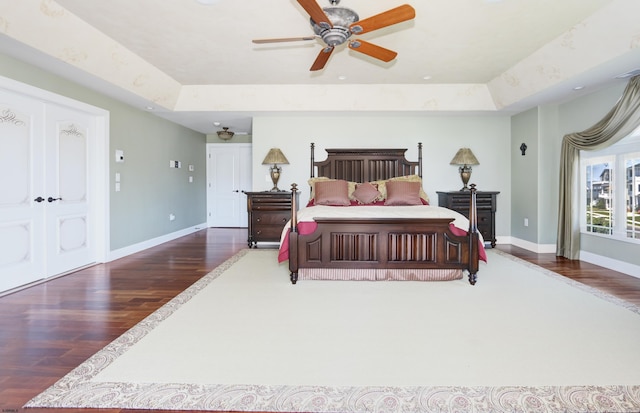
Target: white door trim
98,155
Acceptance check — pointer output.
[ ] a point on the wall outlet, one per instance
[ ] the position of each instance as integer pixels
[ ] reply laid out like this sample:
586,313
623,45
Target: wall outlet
526,222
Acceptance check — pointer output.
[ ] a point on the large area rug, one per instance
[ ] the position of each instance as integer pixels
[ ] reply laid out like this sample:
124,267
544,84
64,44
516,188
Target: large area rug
523,339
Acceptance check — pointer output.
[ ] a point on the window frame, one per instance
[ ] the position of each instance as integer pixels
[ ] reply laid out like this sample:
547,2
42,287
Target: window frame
617,156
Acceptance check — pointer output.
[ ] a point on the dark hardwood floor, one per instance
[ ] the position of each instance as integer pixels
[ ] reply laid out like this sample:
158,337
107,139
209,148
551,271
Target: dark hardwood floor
48,329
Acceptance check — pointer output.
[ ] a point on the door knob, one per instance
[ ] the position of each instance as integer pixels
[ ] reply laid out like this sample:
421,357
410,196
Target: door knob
51,199
39,199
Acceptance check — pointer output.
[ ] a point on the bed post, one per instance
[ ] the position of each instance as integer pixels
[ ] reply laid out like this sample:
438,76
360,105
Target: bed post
473,237
293,235
420,159
313,147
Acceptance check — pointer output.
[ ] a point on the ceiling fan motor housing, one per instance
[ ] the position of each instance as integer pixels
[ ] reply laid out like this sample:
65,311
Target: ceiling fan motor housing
341,18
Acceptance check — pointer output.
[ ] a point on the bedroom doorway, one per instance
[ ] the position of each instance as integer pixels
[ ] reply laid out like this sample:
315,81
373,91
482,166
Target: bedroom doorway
228,175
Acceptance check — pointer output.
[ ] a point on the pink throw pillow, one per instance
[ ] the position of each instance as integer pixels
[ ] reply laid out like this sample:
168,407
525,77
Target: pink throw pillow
403,193
332,193
366,193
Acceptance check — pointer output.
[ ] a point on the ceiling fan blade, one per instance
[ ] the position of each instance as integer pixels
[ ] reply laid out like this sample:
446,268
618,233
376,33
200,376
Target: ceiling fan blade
372,50
322,58
384,19
283,39
316,13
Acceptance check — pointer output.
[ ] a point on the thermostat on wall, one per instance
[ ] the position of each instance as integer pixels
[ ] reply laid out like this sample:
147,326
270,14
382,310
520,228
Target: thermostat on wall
119,155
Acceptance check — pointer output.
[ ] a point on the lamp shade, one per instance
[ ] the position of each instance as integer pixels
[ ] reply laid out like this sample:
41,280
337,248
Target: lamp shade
275,156
464,156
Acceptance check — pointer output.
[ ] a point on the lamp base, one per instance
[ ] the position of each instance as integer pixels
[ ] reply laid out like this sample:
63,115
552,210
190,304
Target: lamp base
275,176
465,174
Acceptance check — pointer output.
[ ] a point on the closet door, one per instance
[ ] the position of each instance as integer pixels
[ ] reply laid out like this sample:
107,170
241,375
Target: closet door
22,196
47,223
69,222
228,174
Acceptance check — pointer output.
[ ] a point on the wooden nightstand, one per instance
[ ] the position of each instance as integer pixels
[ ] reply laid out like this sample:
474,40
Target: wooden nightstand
486,205
268,214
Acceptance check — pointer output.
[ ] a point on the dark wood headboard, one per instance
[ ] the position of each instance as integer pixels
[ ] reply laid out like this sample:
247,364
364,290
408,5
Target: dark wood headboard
365,165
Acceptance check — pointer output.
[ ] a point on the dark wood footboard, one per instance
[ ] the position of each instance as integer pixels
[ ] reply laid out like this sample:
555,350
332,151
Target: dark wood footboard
384,243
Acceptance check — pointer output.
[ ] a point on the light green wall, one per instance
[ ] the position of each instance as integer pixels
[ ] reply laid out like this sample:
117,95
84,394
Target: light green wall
548,173
524,175
150,189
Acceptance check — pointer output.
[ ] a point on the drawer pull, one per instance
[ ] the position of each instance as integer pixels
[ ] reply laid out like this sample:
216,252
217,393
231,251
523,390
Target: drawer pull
258,219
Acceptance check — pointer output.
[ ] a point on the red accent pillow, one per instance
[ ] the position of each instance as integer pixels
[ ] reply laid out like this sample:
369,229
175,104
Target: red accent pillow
332,193
366,193
403,193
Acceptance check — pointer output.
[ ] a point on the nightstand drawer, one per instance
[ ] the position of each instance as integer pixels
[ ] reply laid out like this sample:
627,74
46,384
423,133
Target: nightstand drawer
269,233
270,218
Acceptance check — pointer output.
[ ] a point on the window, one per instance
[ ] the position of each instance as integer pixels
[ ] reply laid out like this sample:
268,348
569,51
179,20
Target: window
611,190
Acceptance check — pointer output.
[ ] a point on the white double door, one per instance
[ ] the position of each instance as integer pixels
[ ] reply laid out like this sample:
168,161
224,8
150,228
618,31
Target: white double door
46,224
228,174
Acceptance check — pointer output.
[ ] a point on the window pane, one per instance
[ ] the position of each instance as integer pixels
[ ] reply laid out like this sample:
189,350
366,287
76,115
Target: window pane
632,172
599,201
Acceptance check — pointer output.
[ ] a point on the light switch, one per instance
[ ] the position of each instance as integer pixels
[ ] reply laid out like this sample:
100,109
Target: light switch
117,186
117,176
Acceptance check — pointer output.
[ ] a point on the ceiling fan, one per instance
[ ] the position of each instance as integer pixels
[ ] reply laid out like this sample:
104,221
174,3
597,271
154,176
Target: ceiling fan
335,26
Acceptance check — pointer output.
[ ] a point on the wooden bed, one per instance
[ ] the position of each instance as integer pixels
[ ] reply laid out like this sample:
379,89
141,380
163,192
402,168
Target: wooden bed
383,246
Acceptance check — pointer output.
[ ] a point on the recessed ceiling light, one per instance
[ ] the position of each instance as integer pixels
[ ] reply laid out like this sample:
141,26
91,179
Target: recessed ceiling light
207,2
149,107
427,77
216,123
342,77
578,88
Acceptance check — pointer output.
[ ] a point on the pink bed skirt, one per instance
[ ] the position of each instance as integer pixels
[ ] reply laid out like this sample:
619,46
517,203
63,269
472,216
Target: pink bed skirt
360,274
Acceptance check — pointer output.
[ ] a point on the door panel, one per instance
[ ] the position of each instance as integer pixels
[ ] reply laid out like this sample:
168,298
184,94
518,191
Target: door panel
68,209
21,168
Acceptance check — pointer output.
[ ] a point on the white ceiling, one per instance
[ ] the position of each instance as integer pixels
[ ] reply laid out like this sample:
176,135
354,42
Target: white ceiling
195,63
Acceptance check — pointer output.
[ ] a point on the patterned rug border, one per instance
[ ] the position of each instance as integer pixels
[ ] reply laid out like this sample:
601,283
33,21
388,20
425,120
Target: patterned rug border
76,391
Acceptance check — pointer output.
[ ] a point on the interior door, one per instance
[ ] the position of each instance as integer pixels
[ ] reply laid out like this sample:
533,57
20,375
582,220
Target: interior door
228,174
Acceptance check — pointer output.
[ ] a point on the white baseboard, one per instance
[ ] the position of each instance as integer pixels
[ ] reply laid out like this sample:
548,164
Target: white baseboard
132,249
616,265
531,246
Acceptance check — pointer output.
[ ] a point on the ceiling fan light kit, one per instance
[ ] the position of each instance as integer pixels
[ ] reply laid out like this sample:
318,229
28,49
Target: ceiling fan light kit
225,134
335,25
